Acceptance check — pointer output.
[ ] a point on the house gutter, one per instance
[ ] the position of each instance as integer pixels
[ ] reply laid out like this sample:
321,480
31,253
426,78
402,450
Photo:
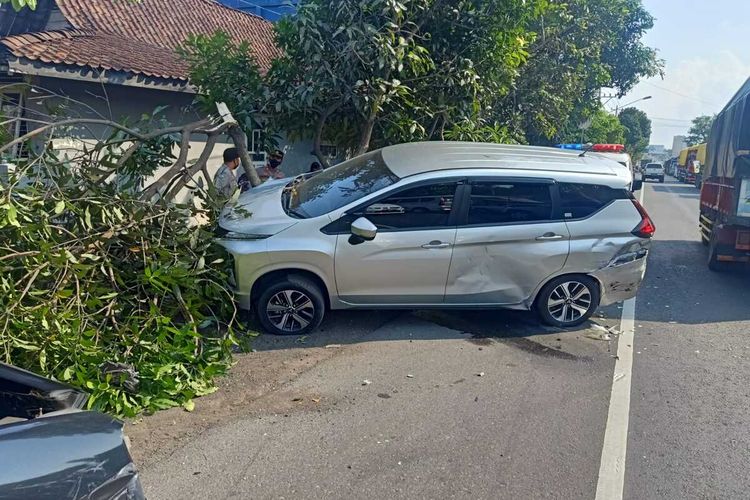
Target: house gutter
88,74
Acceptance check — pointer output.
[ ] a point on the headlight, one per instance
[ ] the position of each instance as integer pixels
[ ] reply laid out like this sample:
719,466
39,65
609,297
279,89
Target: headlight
233,235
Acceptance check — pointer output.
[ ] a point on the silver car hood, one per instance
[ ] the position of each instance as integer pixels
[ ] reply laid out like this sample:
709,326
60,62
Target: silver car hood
258,211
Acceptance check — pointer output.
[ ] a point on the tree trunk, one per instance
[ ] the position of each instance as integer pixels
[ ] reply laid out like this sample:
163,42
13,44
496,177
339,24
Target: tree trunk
195,168
365,136
240,142
318,137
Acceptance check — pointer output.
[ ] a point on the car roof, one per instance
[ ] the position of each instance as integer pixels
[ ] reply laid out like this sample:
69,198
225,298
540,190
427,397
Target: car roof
421,157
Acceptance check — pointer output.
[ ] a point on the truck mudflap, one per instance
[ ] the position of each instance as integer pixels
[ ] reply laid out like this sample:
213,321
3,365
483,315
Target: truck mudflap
622,277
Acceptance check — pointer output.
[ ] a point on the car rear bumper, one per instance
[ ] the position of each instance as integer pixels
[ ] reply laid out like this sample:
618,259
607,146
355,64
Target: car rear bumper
621,279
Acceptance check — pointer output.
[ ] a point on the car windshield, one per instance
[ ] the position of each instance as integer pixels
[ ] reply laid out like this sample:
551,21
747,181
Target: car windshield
340,185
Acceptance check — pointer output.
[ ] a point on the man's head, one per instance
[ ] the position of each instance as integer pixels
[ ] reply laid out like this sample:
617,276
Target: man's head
275,159
231,158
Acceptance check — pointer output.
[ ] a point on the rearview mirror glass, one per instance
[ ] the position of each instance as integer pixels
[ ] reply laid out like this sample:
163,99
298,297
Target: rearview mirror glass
637,185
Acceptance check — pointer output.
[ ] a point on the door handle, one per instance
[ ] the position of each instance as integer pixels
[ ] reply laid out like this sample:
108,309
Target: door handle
549,236
436,244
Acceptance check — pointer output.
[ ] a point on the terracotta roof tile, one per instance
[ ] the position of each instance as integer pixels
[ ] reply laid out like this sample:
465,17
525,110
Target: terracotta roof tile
140,37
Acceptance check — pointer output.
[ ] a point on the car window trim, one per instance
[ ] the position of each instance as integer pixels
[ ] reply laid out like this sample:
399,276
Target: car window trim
353,215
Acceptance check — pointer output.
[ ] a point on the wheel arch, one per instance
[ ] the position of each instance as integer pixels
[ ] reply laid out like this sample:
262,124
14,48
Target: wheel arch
271,275
538,291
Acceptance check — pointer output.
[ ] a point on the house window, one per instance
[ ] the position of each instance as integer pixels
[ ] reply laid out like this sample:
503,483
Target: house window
256,147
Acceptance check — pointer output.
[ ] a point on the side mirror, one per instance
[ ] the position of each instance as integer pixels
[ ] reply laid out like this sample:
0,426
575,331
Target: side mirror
637,185
363,228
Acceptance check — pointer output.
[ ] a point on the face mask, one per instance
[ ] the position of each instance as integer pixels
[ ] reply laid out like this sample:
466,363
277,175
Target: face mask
274,163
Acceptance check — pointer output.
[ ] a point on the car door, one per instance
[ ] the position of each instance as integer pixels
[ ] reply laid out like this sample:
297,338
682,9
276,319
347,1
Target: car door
508,242
408,260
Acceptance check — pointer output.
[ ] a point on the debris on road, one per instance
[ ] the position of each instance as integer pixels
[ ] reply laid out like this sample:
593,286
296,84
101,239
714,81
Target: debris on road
409,375
480,374
366,382
619,376
333,346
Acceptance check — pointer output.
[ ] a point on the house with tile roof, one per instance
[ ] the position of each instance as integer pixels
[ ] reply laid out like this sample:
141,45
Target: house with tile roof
117,59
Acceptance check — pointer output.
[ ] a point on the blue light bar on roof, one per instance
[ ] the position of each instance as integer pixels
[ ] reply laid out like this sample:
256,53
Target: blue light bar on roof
576,147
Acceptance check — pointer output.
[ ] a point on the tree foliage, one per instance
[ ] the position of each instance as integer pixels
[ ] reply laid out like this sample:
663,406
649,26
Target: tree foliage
20,4
604,128
93,276
581,46
637,131
700,130
376,72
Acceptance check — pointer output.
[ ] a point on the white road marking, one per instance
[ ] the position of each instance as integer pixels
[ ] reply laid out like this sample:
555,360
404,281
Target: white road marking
612,466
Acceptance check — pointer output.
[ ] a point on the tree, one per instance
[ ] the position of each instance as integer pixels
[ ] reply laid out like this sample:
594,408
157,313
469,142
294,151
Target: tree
225,72
637,131
388,71
700,130
581,46
604,128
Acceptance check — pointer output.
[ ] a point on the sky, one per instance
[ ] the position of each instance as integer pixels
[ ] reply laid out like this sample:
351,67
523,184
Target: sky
705,47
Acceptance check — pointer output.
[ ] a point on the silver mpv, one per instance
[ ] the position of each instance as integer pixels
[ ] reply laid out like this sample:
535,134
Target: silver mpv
440,225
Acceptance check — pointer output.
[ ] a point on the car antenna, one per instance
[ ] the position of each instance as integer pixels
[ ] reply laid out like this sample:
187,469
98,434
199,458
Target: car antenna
588,148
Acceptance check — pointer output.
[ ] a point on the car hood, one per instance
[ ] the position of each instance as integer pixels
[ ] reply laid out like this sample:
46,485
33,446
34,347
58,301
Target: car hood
258,211
26,395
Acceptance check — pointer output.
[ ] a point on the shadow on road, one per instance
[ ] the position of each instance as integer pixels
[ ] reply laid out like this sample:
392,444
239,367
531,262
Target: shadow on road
516,328
679,287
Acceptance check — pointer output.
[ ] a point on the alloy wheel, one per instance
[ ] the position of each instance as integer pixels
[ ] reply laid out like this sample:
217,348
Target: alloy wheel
569,301
290,310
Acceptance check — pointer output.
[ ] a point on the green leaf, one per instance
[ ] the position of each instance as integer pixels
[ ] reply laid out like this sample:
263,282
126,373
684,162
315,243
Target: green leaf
59,207
189,405
68,373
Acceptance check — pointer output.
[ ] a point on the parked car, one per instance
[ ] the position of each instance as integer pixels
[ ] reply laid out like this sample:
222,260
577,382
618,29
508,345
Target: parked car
654,171
516,227
51,449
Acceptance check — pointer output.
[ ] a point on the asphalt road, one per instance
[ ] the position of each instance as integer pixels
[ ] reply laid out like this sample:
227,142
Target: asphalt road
492,405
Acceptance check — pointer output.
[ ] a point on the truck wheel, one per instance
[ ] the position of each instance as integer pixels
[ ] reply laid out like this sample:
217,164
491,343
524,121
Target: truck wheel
661,180
714,264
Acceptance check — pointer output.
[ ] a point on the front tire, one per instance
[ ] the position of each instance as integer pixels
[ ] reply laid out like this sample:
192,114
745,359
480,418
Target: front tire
292,306
568,301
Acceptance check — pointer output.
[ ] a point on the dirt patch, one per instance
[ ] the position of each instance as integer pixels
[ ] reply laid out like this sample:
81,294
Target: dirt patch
254,385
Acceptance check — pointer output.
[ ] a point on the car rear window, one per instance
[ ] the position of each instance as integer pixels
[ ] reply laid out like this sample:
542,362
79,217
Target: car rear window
581,200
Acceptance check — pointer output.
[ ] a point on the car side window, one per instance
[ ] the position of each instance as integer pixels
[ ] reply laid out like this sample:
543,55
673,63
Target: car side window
419,207
581,200
500,202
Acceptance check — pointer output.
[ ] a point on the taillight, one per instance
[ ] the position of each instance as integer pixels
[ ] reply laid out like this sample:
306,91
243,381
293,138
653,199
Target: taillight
646,228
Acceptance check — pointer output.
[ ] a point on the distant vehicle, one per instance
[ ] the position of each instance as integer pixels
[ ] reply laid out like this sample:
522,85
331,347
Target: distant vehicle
725,193
51,449
441,225
689,163
654,171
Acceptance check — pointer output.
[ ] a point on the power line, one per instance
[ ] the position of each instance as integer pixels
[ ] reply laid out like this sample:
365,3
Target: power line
680,94
261,7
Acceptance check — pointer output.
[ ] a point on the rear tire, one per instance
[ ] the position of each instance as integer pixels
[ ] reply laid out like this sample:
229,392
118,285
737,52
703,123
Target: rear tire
292,306
568,301
714,264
